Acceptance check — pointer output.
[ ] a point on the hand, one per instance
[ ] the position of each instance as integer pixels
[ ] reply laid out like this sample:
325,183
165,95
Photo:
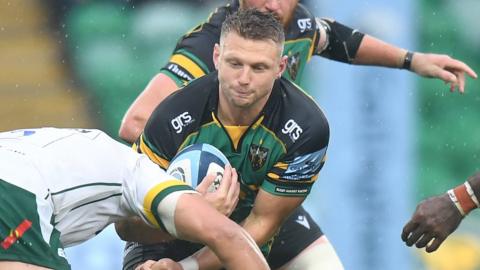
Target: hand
163,264
443,67
225,198
434,219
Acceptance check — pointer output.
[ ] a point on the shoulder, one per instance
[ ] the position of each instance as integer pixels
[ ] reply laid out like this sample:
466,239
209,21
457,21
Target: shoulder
192,57
210,29
220,14
302,23
179,115
302,122
190,100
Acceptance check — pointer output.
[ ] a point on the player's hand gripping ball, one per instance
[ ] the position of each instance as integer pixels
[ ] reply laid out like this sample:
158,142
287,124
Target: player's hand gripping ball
196,161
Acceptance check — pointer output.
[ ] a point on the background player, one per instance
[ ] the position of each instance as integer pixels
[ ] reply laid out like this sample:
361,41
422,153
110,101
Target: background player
270,130
437,217
60,187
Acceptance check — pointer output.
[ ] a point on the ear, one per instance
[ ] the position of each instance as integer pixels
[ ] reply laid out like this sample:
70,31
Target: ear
216,55
282,65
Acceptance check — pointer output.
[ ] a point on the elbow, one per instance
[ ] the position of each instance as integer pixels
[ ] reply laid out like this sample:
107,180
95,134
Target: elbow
130,130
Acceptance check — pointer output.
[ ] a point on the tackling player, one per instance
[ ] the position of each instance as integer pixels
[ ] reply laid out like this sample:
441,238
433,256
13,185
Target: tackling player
61,187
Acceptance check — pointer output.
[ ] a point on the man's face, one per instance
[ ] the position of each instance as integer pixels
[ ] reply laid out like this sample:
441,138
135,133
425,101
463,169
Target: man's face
282,8
247,70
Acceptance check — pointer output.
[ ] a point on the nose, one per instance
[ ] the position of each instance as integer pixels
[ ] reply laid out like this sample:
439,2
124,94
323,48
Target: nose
272,5
244,76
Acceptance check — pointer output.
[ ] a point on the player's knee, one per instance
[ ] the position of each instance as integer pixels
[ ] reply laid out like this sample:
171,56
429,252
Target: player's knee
319,255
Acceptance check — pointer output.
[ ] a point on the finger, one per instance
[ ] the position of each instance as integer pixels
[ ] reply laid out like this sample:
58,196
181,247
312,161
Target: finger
226,180
426,238
461,82
408,228
237,193
146,265
234,187
462,67
446,76
206,182
435,244
414,236
452,87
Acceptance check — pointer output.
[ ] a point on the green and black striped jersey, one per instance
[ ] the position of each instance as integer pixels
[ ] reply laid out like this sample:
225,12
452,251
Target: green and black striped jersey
281,152
192,57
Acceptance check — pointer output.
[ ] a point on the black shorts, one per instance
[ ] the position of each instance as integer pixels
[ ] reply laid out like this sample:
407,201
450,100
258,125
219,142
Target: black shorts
297,233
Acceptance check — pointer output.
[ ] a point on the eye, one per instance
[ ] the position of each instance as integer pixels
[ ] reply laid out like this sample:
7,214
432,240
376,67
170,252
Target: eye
235,64
259,68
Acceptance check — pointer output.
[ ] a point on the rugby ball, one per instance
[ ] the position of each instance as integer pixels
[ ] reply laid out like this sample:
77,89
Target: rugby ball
196,161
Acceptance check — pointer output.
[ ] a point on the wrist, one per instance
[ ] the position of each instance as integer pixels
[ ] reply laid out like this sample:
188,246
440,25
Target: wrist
407,60
189,263
464,198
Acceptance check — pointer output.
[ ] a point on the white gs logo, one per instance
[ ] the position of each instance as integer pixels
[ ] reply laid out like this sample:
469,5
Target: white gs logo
292,129
304,24
181,121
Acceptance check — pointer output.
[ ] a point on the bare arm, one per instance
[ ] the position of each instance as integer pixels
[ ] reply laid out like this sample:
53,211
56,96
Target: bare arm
265,219
373,51
137,115
204,224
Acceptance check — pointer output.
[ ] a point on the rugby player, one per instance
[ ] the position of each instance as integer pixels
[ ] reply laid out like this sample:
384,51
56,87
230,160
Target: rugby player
61,187
273,133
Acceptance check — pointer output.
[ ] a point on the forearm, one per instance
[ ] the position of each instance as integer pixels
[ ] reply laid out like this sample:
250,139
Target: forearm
474,181
373,51
227,242
254,232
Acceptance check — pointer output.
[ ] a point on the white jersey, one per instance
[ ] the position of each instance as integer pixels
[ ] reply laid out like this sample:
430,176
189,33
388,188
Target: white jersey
84,180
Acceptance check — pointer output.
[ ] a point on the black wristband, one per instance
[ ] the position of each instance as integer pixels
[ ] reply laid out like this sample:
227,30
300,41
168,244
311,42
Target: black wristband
407,61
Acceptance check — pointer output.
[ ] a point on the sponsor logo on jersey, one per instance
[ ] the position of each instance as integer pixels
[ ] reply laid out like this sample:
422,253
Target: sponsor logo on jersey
181,121
257,156
304,24
292,129
293,64
179,72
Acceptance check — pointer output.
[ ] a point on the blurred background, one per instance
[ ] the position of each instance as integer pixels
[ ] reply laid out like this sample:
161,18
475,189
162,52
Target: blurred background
396,138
